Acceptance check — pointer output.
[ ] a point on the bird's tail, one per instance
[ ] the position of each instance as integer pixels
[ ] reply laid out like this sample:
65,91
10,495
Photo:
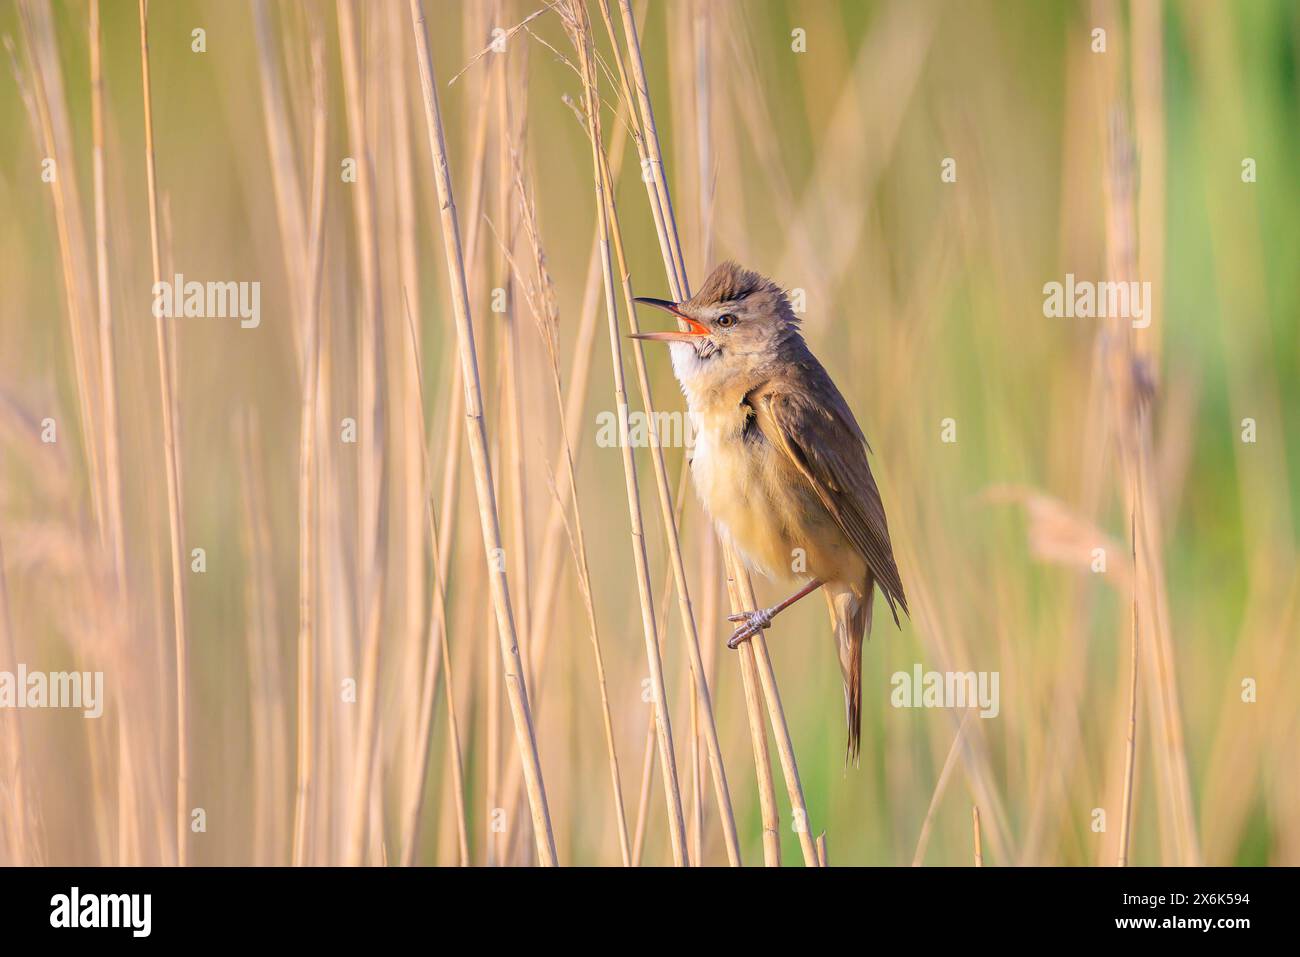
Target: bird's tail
851,616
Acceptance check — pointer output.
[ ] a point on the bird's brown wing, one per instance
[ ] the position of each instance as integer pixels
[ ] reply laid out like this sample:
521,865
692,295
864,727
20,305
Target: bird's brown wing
823,440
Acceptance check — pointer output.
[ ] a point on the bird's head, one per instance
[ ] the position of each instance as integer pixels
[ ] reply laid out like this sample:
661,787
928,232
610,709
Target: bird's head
734,327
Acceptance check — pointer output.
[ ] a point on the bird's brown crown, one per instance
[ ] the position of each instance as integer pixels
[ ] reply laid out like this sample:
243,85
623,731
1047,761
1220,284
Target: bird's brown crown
731,282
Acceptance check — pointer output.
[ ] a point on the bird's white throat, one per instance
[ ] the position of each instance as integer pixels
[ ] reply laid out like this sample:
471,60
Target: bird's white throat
703,380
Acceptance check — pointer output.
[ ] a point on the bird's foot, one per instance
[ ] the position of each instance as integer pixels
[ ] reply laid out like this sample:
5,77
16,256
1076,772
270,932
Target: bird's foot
754,622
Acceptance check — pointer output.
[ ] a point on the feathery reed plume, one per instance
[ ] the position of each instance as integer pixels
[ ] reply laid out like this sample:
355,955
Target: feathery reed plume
512,667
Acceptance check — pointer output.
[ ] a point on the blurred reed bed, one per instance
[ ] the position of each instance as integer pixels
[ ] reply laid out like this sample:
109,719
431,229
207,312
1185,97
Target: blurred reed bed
474,634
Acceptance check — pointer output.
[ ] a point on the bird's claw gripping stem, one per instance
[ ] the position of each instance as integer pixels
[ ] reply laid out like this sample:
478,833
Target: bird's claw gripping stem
754,622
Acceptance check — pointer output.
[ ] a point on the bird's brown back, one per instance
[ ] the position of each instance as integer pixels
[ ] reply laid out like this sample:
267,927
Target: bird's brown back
800,410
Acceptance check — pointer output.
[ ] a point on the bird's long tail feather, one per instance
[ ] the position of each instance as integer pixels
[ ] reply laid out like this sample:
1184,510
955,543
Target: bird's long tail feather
851,617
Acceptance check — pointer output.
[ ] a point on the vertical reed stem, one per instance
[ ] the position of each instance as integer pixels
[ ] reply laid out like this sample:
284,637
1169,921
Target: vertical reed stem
170,453
525,739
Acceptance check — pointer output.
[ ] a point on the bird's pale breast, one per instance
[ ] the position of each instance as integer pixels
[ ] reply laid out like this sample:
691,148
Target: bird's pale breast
765,505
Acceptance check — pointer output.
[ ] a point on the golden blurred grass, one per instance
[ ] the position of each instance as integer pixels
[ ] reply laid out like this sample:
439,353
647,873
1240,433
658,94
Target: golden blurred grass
319,732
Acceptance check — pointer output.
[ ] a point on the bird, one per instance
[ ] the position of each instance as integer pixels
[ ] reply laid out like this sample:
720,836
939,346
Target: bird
780,463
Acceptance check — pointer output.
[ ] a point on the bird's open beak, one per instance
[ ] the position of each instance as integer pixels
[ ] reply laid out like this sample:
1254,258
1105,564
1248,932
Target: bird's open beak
695,329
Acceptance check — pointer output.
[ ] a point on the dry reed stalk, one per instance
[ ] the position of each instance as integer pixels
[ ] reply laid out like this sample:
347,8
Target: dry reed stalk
700,686
1130,741
736,579
48,110
308,489
513,407
975,826
1146,70
512,667
496,849
291,215
695,821
852,155
553,537
107,365
267,711
452,434
15,797
467,682
542,302
372,491
939,787
643,800
172,462
551,552
975,757
108,404
335,608
100,602
670,243
1129,374
739,588
666,593
710,572
785,751
54,126
746,81
1263,476
576,23
438,623
704,173
701,689
412,480
652,158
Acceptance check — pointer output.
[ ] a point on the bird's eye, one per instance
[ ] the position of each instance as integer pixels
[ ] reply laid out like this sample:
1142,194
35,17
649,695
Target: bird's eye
726,320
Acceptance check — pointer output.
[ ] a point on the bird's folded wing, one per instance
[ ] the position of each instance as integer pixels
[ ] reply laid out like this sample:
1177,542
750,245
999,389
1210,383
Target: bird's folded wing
829,452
